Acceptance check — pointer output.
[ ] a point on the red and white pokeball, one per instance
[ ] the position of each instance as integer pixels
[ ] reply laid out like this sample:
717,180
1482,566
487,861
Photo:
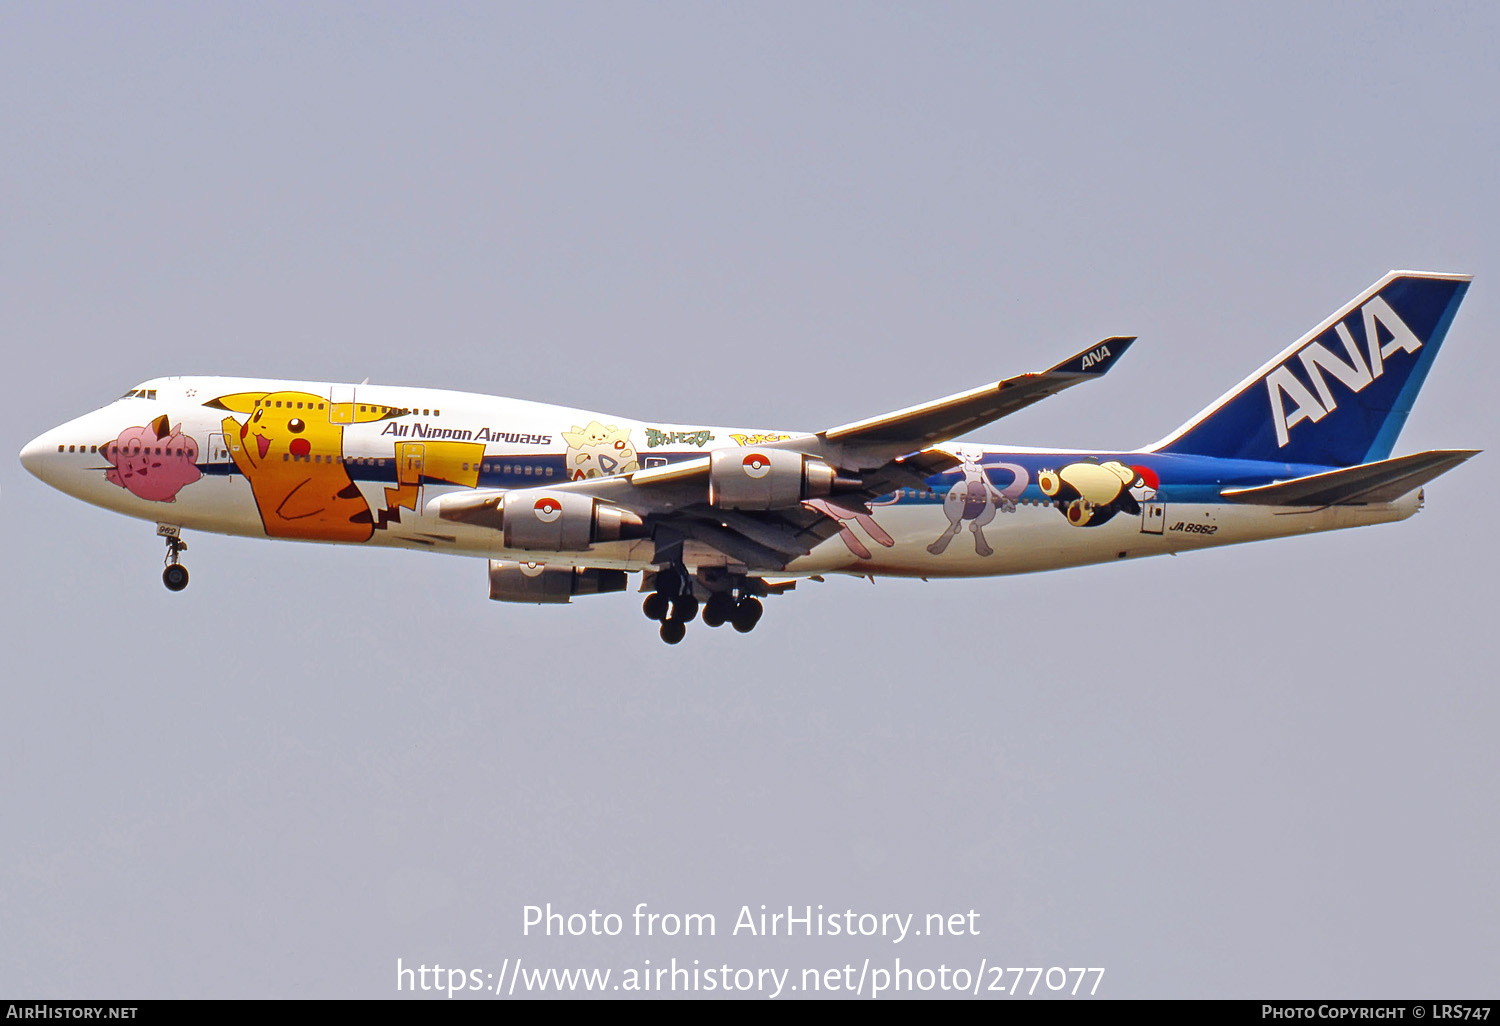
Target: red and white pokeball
757,465
548,509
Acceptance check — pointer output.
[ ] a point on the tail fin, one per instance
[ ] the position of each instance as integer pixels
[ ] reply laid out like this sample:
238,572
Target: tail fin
1340,394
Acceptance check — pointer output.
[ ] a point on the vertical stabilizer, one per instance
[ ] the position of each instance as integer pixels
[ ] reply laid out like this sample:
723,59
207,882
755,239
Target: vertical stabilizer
1340,394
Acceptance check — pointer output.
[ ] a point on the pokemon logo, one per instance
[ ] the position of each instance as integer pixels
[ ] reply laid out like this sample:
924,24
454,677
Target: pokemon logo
655,438
756,465
599,450
758,439
548,510
1359,372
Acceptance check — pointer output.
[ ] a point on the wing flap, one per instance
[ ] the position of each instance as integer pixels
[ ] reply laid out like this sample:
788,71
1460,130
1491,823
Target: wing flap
1384,481
681,472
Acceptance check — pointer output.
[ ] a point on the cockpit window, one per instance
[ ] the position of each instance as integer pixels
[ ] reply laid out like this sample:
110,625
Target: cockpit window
140,393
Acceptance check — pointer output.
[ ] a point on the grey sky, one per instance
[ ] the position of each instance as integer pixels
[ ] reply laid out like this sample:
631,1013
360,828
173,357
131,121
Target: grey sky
1267,770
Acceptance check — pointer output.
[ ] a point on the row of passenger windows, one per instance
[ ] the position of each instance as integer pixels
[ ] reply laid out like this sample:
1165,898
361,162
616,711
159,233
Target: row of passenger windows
926,493
130,450
352,461
506,468
400,411
360,461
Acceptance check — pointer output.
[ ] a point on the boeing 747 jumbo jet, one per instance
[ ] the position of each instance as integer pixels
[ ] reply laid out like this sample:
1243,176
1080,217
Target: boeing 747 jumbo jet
567,502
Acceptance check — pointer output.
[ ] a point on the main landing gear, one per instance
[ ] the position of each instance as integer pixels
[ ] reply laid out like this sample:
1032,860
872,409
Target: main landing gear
175,576
675,605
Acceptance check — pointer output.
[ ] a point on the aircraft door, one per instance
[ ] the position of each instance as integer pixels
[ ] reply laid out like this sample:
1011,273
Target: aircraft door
217,450
341,404
410,465
1153,517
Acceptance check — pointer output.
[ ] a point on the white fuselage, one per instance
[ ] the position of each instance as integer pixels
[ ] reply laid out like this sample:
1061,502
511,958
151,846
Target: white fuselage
367,461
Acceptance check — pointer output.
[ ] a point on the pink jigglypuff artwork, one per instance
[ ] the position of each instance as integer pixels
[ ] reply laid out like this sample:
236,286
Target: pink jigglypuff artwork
153,462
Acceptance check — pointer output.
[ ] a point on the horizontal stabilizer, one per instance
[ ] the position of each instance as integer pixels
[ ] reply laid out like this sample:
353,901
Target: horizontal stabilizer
941,419
1385,481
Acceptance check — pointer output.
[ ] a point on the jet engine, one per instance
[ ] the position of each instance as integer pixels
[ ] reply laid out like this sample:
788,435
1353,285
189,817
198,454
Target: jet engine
533,582
753,478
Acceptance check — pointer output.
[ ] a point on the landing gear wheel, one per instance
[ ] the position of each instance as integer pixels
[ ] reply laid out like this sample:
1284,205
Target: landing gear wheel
684,608
718,609
656,606
175,576
673,631
747,614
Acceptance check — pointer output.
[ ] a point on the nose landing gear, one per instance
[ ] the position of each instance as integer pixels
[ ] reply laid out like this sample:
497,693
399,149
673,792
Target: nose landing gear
175,576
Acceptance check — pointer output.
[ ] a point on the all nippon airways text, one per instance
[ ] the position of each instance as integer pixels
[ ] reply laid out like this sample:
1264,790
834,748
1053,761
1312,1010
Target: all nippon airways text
758,921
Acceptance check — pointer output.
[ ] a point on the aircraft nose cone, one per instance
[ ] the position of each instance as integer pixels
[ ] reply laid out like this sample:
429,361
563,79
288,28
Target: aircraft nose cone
34,455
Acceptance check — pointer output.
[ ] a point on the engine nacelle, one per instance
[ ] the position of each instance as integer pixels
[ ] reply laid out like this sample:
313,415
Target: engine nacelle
536,583
543,520
769,478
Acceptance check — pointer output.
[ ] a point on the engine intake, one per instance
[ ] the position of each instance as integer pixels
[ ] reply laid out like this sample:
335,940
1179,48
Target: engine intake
536,583
770,478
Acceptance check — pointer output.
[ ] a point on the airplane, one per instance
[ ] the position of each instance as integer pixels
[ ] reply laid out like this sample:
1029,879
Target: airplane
565,502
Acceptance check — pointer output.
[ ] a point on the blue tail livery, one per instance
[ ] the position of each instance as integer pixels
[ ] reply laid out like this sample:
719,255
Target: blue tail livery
1339,395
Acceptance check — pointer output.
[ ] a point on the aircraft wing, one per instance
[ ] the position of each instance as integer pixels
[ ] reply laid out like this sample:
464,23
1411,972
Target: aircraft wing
873,442
880,454
917,427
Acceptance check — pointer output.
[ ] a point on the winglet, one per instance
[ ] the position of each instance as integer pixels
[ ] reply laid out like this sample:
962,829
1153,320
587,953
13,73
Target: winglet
1097,359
